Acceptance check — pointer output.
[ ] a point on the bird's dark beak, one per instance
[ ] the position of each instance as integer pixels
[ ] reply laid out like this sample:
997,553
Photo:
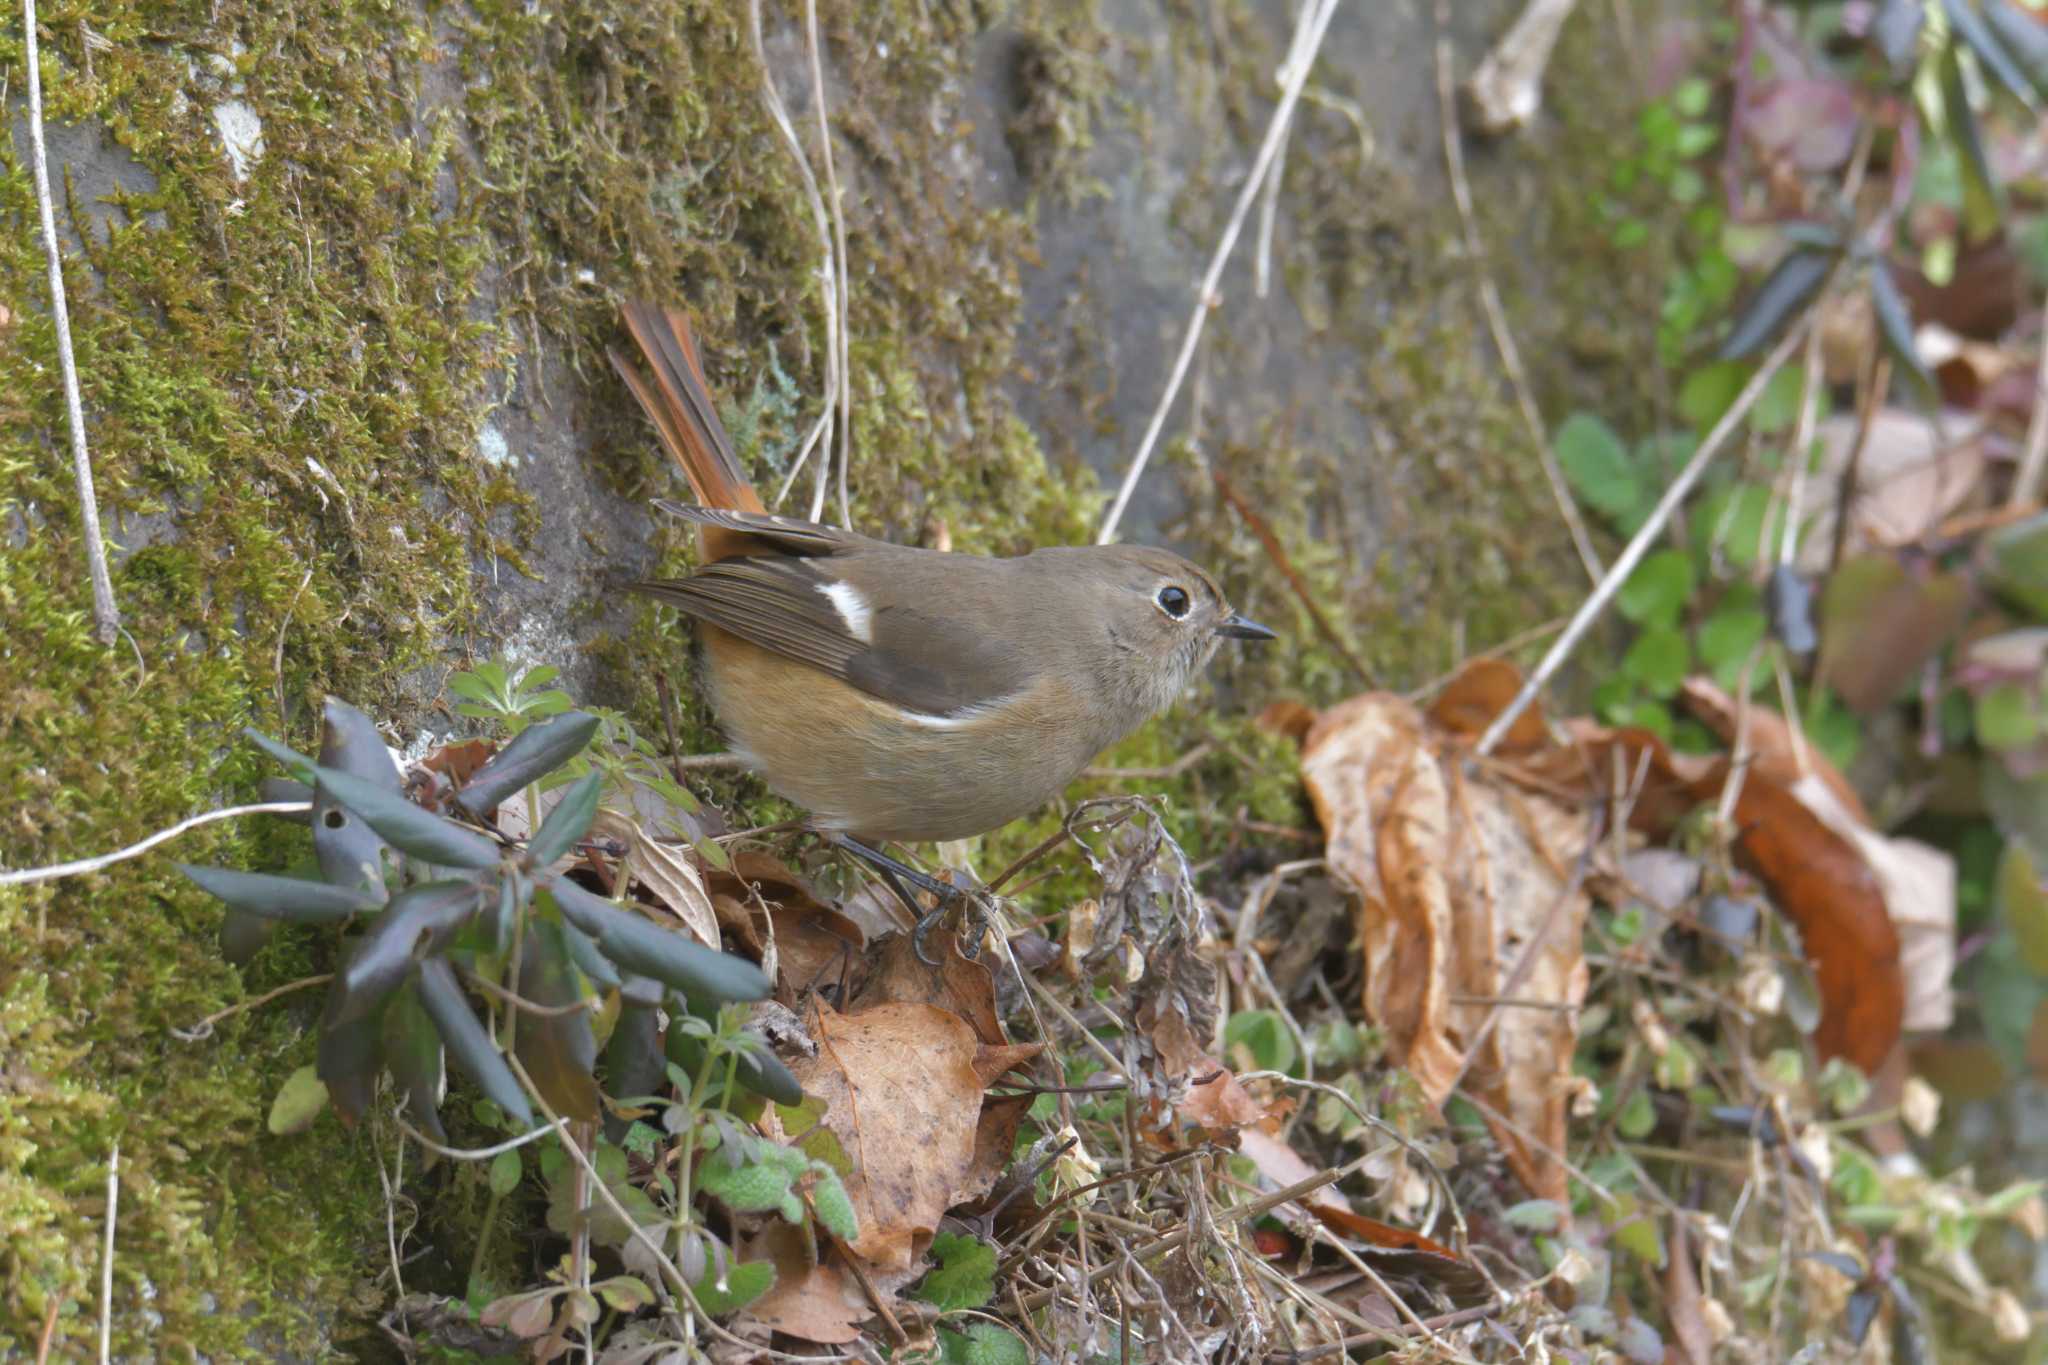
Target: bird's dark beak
1237,628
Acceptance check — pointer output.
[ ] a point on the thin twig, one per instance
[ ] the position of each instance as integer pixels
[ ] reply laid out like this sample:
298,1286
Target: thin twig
23,876
1879,379
1315,20
106,617
844,396
107,1256
1802,446
203,1030
49,1329
1490,304
1162,773
1604,591
1276,553
473,1153
2026,484
779,112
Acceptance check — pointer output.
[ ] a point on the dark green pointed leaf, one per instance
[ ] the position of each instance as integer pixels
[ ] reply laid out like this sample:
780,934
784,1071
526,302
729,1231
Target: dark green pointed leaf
1981,198
1820,236
1791,284
566,823
351,1053
594,964
1897,31
1895,320
632,1055
529,756
243,935
350,852
285,789
412,1053
273,897
468,1042
637,945
1991,54
409,829
417,923
2023,37
295,763
557,1050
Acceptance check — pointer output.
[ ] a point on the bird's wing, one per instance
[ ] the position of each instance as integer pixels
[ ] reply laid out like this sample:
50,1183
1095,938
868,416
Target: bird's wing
816,612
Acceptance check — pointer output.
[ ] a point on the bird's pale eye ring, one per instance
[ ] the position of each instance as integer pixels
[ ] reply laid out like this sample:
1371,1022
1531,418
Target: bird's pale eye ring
1173,601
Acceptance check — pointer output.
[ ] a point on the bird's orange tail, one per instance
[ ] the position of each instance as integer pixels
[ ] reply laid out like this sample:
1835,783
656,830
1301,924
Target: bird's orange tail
678,402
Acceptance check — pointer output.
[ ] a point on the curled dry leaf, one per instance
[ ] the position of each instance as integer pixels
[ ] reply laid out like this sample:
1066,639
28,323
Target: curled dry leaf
1776,753
1482,690
1909,477
904,1099
665,870
1918,883
1461,882
1818,879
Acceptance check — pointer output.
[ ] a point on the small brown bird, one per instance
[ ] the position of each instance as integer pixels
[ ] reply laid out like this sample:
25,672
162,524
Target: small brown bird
909,694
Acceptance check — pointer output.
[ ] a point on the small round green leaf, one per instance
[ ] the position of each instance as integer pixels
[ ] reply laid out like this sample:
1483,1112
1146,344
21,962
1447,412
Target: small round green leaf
299,1101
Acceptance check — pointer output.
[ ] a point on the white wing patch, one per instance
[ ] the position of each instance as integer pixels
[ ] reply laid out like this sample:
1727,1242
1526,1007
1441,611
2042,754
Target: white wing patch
852,609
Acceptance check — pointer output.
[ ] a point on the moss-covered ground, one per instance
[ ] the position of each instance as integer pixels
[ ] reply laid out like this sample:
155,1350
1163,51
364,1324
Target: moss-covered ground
286,371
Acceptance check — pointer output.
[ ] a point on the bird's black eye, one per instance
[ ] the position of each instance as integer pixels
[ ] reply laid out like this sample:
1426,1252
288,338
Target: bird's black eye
1173,601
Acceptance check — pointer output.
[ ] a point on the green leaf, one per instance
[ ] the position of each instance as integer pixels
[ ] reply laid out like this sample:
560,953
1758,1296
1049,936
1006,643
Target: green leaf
1710,391
1895,321
1991,54
469,1044
625,1293
299,1101
273,897
964,1276
558,1050
669,957
1656,593
1633,1229
1726,639
295,763
529,756
2008,716
742,1284
2019,563
2023,902
412,1054
1794,281
983,1343
1658,660
506,1170
1597,465
1638,1116
417,923
566,823
1777,407
408,828
1263,1035
1536,1215
762,1182
832,1203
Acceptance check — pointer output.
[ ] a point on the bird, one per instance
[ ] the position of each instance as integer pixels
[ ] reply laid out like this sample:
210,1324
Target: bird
908,694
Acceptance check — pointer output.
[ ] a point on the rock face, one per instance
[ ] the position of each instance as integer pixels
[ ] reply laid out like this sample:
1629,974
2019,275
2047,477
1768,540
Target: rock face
343,280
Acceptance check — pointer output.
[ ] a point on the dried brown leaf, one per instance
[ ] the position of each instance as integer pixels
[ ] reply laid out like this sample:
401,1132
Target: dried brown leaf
903,1098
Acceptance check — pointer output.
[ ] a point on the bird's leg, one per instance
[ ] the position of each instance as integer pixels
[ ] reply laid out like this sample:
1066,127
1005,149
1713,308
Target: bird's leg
895,874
